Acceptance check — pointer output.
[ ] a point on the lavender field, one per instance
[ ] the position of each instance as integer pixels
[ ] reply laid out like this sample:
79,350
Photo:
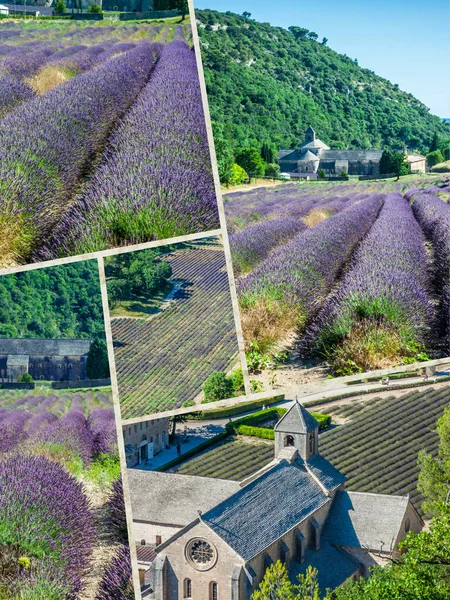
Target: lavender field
346,277
61,499
163,360
104,141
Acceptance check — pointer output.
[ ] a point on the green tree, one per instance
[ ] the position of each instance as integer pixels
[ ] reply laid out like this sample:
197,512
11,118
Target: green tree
217,387
118,290
237,380
434,158
298,32
386,162
250,160
267,153
246,14
399,164
224,153
343,174
312,35
324,41
277,586
435,144
94,9
183,7
272,170
321,174
434,475
25,378
97,363
60,7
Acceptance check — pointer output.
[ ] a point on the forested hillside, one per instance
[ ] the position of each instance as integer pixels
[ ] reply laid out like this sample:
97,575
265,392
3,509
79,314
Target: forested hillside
62,301
267,84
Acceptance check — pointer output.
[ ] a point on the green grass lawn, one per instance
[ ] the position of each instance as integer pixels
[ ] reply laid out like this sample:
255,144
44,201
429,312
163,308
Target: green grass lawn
141,306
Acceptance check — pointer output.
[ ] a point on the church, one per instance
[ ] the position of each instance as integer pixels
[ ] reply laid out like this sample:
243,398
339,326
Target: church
49,359
199,537
314,155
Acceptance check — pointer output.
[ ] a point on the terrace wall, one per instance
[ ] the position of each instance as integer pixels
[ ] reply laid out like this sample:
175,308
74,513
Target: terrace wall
154,432
86,383
151,14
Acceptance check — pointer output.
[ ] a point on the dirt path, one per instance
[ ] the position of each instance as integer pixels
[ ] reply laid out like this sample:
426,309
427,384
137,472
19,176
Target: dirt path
105,544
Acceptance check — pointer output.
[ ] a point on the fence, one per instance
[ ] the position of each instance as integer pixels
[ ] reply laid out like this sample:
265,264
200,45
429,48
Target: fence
15,385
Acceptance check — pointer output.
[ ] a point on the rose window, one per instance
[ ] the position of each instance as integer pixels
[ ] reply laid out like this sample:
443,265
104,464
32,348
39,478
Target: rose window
201,554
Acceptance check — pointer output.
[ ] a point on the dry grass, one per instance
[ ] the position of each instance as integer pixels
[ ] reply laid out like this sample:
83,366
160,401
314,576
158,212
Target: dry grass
369,347
48,78
267,322
14,240
315,217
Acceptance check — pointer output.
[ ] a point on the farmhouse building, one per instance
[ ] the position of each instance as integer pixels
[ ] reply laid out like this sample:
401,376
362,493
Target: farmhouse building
209,538
314,155
145,439
52,360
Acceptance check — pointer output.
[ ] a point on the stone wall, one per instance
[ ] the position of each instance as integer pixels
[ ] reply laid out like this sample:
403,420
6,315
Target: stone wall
151,532
150,437
86,383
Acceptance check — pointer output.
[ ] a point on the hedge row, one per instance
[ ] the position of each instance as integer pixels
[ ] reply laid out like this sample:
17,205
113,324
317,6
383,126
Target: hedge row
237,409
376,390
248,425
193,452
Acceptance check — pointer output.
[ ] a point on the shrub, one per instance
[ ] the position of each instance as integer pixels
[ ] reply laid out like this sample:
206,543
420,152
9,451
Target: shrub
343,174
217,387
60,7
250,160
434,158
25,378
272,170
321,174
94,8
237,175
237,379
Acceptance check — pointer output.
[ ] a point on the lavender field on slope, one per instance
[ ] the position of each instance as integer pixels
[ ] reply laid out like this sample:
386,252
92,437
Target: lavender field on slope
163,361
102,126
313,261
59,469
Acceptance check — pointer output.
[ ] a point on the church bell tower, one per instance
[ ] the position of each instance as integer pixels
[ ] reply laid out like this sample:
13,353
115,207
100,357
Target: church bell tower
298,429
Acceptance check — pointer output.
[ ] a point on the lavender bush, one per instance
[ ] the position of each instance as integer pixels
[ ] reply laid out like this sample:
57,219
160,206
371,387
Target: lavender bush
116,511
381,312
116,583
434,217
250,246
156,180
12,93
46,518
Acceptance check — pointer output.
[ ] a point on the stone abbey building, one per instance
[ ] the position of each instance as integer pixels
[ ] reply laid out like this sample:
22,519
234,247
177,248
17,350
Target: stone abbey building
313,155
213,539
50,360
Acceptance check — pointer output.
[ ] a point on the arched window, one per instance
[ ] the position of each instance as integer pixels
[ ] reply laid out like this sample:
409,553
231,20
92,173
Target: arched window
311,443
59,366
31,365
40,365
213,591
407,525
41,377
70,365
142,542
289,440
187,588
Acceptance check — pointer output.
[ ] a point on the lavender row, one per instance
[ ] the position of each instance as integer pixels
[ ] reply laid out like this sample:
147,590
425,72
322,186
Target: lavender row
434,216
251,246
48,143
57,535
382,304
156,180
301,273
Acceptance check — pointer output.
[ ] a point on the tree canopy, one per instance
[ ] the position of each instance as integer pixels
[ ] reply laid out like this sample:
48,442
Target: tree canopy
56,302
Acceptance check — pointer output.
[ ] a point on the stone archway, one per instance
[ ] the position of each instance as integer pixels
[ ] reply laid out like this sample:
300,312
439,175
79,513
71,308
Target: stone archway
289,441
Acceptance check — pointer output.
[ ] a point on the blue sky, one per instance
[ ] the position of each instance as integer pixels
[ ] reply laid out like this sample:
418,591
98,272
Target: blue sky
406,41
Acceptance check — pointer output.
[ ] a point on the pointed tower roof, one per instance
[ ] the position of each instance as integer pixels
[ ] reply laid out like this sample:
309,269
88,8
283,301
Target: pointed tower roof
297,420
310,130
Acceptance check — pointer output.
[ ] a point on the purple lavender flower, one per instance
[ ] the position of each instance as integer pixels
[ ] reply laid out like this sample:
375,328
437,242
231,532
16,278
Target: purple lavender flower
116,583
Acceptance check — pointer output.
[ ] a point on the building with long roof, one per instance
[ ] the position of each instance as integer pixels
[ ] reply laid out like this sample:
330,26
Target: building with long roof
214,539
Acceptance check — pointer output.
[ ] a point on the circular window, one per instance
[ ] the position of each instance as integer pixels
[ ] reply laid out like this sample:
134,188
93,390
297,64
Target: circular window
201,554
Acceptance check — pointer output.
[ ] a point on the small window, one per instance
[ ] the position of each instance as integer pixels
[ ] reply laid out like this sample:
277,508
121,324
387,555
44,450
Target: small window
311,443
213,591
407,525
59,366
158,540
31,366
140,425
142,542
41,377
151,440
70,365
146,424
40,365
187,588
